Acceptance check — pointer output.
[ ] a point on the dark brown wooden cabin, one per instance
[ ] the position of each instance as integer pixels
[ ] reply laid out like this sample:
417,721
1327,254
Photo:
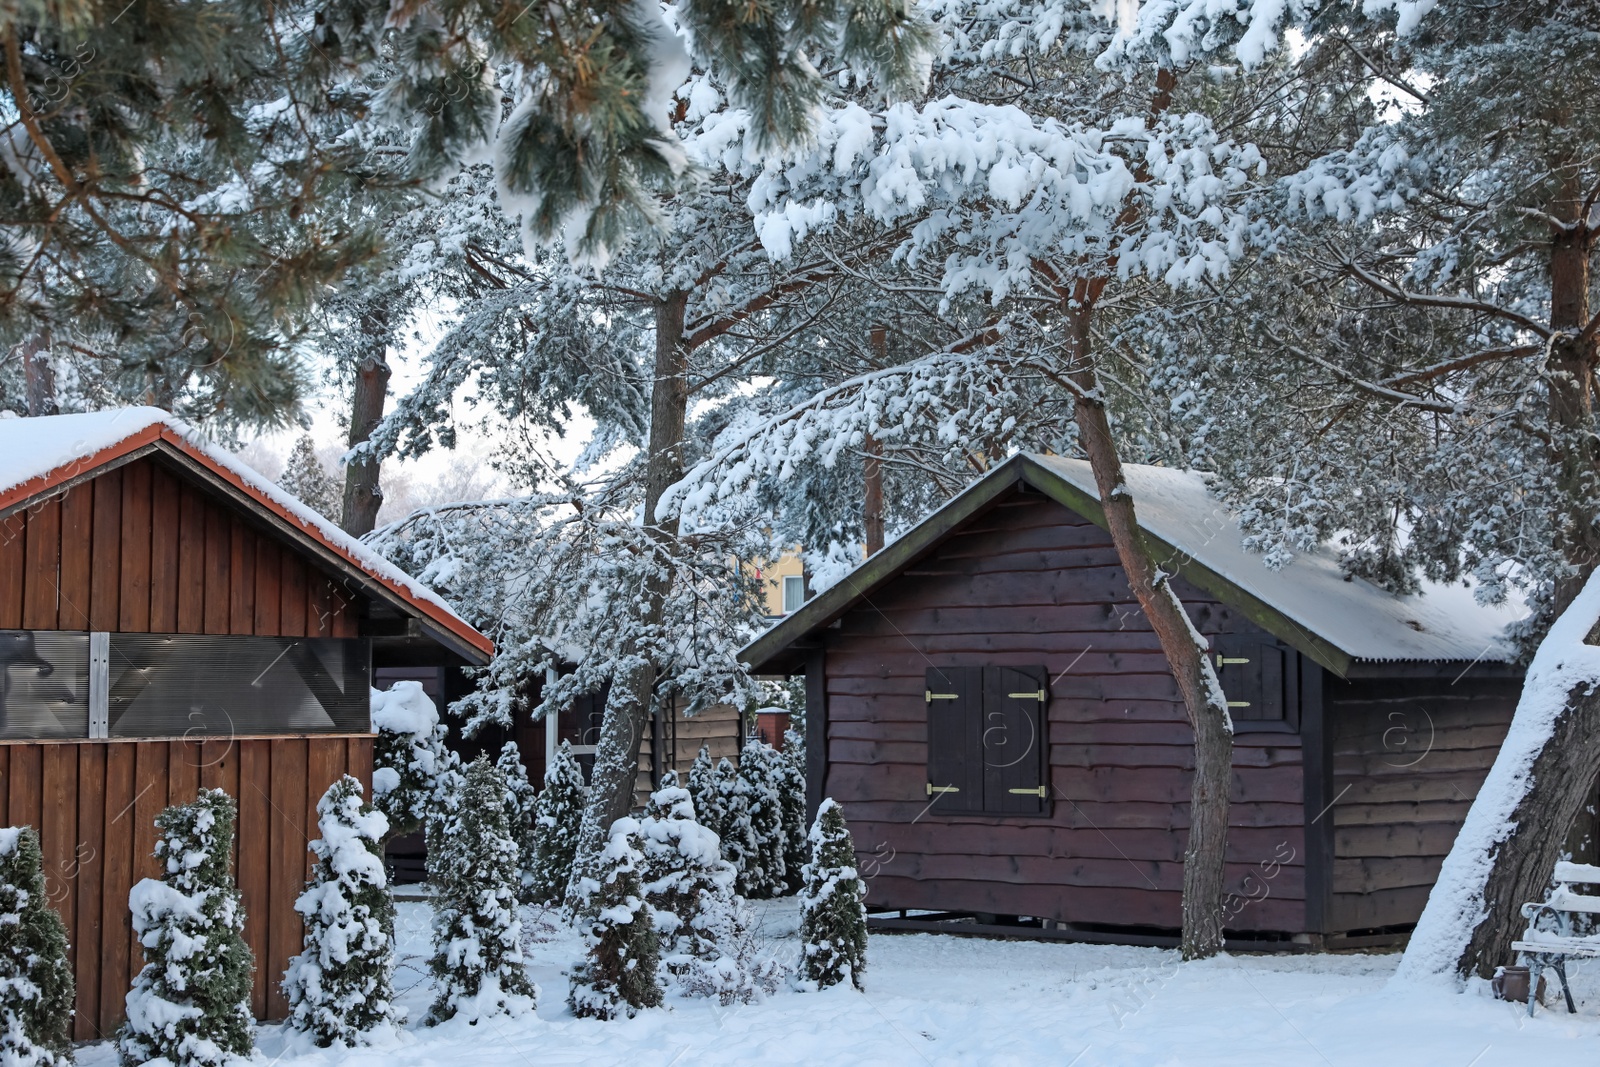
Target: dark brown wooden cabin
991,708
171,621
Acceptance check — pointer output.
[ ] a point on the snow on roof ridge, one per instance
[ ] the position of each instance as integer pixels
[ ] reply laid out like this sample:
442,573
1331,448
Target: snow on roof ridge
34,448
1443,622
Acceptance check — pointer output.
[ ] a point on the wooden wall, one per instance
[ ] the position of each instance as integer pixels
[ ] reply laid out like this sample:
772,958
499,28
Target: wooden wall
717,728
95,803
137,550
1026,584
1408,758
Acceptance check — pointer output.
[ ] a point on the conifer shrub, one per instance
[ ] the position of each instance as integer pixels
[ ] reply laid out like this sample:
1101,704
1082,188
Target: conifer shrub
412,769
36,986
734,828
190,1004
521,817
558,815
618,974
763,872
833,919
341,987
791,782
703,790
477,960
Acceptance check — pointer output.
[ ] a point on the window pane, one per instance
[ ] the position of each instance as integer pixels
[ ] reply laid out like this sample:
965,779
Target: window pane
44,683
794,593
188,685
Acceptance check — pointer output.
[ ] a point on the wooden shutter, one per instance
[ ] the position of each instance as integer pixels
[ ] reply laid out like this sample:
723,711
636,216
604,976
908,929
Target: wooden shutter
1256,676
954,697
1015,752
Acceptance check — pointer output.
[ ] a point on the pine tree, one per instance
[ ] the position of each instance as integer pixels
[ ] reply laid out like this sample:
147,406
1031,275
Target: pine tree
792,796
477,930
557,814
190,1004
764,870
341,987
308,481
36,983
412,767
521,816
703,790
735,829
618,974
833,921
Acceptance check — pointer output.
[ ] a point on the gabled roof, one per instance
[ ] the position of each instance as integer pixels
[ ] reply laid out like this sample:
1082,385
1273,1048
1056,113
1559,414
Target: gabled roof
46,455
1308,603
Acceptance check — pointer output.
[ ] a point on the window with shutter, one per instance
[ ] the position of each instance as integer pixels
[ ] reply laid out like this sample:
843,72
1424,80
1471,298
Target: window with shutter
1261,681
987,750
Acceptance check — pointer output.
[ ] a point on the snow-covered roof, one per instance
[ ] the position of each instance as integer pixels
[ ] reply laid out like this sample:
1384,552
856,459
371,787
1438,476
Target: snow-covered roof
38,455
1442,622
1308,603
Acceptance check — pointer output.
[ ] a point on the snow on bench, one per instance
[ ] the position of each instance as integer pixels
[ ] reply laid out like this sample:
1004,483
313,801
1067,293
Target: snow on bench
1551,948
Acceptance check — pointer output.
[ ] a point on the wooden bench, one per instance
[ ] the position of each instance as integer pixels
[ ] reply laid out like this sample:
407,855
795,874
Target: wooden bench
1552,948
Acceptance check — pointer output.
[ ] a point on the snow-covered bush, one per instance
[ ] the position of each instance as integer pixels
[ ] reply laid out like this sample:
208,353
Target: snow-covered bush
557,816
36,987
411,765
733,966
341,986
521,815
617,975
190,1004
477,958
703,790
833,922
763,872
734,828
791,775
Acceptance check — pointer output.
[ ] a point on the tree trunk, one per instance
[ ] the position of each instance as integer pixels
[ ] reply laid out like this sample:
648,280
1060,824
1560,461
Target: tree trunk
1187,655
872,497
616,760
1478,902
39,375
363,496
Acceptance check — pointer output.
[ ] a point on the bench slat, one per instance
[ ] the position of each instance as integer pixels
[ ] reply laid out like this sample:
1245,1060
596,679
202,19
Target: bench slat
1567,946
1578,872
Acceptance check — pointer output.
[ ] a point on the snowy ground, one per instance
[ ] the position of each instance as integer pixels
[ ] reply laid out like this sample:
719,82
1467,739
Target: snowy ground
946,1000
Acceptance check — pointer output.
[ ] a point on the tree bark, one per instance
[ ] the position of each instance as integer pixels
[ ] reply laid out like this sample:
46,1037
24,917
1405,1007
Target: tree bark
1563,771
872,464
616,761
1187,653
39,375
363,496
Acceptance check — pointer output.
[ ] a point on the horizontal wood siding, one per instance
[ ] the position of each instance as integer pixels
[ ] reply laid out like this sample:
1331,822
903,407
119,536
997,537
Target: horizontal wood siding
716,727
1409,756
94,804
135,551
1031,584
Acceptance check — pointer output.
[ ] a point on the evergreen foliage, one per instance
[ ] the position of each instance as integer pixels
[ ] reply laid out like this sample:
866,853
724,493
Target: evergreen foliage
36,982
618,975
683,870
734,828
190,1004
703,790
764,873
413,770
477,930
791,785
833,920
557,814
309,482
522,817
341,987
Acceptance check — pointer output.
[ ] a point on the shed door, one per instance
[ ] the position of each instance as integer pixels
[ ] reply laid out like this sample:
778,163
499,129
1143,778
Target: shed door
954,696
1013,740
1253,675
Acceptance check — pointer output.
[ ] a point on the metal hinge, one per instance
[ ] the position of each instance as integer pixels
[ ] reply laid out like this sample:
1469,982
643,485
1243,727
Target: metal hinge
1039,792
930,696
1238,703
934,790
1223,661
1039,696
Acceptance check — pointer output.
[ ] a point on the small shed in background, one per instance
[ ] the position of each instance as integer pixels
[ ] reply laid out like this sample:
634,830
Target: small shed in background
170,620
991,708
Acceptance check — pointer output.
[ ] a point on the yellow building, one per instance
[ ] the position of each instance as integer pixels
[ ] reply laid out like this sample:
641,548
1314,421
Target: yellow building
783,584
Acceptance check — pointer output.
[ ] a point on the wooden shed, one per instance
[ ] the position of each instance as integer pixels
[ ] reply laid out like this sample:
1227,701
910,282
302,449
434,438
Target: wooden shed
170,620
991,708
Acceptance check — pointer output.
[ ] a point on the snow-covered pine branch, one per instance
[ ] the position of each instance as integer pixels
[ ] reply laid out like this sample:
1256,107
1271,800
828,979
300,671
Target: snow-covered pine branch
36,981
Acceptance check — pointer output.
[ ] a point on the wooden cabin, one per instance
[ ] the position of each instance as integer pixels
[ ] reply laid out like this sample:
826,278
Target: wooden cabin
170,620
991,708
